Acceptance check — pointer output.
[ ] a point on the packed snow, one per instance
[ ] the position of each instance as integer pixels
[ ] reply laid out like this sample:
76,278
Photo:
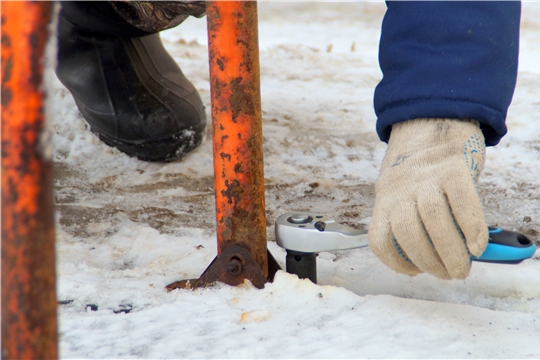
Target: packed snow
127,228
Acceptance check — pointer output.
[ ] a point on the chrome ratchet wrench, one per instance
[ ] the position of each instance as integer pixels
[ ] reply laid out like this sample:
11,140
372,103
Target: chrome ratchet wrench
304,234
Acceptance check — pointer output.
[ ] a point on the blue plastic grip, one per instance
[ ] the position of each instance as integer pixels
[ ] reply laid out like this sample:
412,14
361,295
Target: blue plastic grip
507,247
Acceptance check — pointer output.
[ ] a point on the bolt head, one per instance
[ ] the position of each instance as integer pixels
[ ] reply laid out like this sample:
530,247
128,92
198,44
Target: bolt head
234,267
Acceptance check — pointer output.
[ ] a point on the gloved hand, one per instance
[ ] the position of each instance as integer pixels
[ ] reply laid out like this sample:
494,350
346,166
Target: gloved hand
427,215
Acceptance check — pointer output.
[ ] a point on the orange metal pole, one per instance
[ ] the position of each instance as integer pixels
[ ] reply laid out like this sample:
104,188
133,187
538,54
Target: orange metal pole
29,326
237,128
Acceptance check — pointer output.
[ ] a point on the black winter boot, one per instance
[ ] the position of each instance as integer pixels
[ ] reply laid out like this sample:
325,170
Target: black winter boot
127,87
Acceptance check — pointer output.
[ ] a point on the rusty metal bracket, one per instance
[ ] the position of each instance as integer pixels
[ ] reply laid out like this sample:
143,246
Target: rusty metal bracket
232,266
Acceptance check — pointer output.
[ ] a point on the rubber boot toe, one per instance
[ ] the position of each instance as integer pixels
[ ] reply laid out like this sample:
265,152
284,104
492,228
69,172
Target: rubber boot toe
131,92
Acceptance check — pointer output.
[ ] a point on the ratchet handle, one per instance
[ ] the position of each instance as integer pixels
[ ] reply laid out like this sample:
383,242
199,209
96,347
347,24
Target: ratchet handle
506,247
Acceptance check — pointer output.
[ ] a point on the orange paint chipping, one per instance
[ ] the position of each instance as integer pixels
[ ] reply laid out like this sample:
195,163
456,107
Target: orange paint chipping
237,127
29,327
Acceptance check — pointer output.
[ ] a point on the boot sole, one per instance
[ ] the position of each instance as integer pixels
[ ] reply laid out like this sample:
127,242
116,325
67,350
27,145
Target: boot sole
163,150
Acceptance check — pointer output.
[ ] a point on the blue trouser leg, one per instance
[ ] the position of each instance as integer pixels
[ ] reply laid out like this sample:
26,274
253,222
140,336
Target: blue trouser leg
448,59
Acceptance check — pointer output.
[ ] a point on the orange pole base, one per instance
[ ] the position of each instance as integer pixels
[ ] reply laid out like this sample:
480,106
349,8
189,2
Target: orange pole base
237,127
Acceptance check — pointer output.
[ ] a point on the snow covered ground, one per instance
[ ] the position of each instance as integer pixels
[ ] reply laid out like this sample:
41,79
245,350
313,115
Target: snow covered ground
127,228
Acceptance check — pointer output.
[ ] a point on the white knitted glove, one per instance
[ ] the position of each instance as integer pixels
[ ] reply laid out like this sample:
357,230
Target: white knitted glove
427,215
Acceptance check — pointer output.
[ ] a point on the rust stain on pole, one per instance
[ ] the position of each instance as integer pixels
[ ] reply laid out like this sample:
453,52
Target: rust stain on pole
29,326
237,127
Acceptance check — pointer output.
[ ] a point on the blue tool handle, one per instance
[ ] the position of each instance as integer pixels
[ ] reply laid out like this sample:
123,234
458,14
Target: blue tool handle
506,247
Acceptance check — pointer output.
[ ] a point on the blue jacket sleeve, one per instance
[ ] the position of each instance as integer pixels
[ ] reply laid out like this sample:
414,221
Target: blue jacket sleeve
448,59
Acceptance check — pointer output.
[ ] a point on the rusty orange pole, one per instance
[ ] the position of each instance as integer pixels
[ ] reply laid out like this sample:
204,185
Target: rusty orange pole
237,128
29,326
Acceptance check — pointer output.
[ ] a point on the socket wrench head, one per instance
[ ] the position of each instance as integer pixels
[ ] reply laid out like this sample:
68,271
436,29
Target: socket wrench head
309,232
